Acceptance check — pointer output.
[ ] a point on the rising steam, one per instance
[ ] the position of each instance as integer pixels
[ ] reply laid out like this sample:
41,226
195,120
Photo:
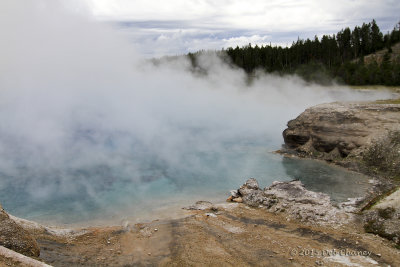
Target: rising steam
78,105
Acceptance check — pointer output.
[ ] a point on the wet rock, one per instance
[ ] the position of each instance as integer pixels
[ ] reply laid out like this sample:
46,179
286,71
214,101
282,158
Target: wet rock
234,193
14,237
238,200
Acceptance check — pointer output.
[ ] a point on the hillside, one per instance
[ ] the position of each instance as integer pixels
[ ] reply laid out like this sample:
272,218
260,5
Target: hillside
378,56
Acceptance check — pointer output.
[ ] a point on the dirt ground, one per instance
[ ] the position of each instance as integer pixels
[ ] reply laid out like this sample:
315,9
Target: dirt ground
234,235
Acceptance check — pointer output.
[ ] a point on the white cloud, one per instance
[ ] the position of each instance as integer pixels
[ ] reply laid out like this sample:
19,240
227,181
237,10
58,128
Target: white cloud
245,40
186,25
254,14
179,26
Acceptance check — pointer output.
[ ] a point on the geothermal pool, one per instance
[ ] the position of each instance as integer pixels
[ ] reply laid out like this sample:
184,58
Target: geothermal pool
158,189
92,131
108,161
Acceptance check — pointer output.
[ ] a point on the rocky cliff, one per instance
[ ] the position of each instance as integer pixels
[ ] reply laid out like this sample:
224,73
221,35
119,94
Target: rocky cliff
336,131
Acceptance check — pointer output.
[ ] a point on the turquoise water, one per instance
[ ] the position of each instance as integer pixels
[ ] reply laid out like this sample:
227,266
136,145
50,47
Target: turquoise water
155,187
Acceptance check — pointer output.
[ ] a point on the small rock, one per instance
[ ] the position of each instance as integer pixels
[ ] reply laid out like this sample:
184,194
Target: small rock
200,205
238,200
145,232
211,215
379,255
155,230
234,193
252,184
229,199
213,208
248,187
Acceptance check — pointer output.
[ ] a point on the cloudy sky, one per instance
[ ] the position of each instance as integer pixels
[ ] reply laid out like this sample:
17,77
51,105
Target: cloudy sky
178,26
171,27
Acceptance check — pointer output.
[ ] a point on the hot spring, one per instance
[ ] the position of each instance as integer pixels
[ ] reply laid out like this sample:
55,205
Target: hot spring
91,131
107,193
96,174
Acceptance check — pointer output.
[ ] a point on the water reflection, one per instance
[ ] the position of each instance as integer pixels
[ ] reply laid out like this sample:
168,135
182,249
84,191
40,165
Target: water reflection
322,177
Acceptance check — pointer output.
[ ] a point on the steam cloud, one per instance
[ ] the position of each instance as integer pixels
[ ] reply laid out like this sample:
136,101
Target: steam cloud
77,104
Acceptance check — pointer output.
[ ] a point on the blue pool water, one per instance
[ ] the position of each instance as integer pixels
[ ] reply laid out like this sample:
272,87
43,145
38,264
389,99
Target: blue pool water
77,164
105,193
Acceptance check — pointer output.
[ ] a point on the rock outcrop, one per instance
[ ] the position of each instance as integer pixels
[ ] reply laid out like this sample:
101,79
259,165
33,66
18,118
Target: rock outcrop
14,237
384,218
339,130
293,199
361,136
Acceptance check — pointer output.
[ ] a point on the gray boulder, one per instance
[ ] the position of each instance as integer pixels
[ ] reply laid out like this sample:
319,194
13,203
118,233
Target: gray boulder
294,200
248,187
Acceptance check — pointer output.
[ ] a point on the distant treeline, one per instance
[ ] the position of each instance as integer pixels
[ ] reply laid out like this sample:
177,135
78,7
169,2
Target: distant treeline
342,56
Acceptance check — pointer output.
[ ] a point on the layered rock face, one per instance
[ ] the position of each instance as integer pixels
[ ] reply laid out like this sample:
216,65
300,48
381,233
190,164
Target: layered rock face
14,237
340,129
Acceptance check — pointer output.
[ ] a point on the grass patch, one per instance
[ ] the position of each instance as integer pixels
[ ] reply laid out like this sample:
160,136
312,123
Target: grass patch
383,156
386,213
388,101
378,198
375,87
